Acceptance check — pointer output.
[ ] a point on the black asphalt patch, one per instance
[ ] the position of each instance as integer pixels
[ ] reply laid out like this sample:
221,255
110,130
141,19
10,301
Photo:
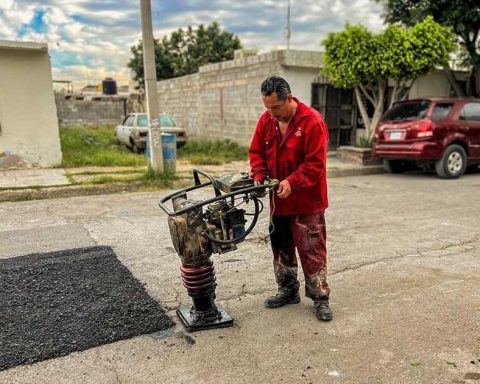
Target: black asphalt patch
55,303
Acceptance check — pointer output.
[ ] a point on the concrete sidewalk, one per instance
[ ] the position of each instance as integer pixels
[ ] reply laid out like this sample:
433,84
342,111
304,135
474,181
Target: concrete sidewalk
41,177
58,177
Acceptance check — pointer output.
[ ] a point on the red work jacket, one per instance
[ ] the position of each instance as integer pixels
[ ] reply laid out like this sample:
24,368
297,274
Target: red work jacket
299,156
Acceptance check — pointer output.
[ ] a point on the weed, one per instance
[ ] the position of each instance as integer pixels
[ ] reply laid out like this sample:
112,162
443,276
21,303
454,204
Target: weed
148,179
365,142
98,147
212,152
95,147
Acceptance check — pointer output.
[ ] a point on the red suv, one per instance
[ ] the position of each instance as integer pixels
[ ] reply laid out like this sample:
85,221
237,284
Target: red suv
432,131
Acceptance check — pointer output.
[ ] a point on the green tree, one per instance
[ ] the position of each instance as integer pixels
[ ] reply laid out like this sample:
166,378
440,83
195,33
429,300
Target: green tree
184,51
464,18
359,59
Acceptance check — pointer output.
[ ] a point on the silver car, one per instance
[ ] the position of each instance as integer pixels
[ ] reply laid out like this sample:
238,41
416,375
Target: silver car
133,131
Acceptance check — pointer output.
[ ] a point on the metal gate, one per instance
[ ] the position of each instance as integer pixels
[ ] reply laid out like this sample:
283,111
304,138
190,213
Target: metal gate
337,106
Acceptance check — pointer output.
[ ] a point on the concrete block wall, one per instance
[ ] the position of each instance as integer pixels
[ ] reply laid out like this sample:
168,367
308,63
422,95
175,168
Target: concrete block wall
89,113
223,101
179,99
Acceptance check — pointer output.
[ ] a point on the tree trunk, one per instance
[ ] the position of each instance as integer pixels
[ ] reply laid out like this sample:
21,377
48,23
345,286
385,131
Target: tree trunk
400,91
378,110
395,92
453,81
363,110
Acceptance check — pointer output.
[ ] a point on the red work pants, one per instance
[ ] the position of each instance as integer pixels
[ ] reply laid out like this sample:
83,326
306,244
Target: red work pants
307,234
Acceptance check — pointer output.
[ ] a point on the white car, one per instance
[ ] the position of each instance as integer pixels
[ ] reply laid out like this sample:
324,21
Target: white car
133,131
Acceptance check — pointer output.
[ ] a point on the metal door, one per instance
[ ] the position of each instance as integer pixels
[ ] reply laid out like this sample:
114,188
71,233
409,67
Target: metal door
336,105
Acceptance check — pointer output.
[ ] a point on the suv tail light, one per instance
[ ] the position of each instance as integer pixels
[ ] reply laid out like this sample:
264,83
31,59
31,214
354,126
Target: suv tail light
422,129
411,130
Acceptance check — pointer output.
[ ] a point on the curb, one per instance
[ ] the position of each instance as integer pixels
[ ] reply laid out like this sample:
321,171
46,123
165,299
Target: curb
366,170
65,191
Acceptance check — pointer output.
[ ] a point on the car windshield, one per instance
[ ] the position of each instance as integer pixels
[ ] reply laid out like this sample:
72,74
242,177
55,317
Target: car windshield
407,111
165,121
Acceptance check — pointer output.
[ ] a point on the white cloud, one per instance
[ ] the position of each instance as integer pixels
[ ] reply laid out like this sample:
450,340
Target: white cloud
91,39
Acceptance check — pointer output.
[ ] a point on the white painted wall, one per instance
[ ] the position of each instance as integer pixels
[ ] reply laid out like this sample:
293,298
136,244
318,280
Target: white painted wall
28,117
300,81
433,85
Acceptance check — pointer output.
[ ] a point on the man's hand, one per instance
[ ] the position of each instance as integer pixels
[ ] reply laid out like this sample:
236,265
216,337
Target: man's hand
260,192
284,189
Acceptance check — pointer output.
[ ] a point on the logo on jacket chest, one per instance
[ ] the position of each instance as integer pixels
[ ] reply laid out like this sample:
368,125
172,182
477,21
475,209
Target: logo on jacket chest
298,133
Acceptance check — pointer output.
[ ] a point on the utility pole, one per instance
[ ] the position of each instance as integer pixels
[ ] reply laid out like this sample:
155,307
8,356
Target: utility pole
287,29
151,91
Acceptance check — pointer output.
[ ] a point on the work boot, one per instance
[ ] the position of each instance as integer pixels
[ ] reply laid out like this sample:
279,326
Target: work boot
283,297
322,310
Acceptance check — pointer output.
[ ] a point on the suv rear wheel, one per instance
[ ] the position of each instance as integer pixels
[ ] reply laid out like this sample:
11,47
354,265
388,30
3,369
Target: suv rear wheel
393,166
453,163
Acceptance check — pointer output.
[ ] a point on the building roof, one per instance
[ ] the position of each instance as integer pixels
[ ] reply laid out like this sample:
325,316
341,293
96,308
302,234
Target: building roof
25,45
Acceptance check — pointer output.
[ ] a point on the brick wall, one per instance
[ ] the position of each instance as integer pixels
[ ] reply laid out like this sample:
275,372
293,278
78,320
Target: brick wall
72,112
222,100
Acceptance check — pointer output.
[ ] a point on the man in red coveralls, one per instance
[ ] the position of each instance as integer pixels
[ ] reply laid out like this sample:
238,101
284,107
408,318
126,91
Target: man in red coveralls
290,144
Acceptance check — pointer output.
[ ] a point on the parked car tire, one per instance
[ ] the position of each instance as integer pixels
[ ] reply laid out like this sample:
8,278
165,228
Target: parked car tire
133,147
453,163
393,166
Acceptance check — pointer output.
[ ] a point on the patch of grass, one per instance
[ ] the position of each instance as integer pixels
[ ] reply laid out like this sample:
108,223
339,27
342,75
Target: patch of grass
104,179
146,179
151,179
93,173
95,147
212,152
98,147
364,142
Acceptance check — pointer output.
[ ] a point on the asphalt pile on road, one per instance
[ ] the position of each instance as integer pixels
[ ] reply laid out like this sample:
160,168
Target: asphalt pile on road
55,303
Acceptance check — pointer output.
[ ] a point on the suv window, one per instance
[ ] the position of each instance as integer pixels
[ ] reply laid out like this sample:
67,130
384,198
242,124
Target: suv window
412,110
470,112
441,110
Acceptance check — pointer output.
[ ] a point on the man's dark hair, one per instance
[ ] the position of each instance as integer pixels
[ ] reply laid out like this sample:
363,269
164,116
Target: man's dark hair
276,84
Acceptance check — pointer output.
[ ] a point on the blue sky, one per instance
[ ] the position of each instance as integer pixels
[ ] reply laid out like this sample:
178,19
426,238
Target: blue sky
89,40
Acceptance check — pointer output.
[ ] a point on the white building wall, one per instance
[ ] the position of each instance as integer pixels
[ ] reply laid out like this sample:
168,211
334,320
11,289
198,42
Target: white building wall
433,85
301,80
28,118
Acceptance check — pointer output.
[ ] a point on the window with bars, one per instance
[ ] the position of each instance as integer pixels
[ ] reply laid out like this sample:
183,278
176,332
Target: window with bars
337,106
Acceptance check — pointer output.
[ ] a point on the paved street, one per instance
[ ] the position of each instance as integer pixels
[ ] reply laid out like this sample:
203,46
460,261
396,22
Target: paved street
404,264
